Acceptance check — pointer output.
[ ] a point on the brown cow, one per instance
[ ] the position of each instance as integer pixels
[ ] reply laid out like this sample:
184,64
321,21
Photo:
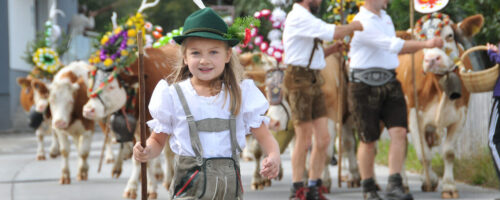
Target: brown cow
31,98
68,93
158,64
440,116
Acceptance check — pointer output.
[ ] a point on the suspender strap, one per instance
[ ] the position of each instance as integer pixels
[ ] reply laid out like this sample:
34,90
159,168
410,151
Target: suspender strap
208,125
315,46
193,132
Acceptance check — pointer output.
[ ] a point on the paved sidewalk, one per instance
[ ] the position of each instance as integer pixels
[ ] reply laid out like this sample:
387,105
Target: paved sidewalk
24,178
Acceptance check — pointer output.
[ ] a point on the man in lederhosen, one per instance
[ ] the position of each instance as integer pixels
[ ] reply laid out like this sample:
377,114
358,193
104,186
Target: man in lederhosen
374,94
305,58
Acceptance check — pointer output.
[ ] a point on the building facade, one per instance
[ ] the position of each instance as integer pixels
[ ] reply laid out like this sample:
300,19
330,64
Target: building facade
21,20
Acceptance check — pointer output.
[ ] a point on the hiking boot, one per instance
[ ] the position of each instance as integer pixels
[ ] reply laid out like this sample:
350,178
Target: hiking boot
395,190
316,192
298,192
370,189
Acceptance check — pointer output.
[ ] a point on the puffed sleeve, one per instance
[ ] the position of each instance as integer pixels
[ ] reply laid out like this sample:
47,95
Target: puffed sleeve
160,108
254,105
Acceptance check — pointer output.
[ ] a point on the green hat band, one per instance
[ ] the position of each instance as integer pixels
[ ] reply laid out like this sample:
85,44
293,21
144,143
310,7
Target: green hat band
210,30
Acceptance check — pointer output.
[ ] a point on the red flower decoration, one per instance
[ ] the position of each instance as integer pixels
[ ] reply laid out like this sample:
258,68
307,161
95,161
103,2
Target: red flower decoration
248,36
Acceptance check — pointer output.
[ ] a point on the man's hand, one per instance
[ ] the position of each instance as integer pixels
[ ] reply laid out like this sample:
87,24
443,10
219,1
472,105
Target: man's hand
338,46
434,42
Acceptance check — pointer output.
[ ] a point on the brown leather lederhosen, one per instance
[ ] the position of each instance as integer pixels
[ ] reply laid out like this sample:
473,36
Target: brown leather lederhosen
303,86
206,178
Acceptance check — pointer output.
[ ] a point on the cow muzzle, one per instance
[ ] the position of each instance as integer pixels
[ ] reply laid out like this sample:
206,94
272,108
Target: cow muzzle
451,85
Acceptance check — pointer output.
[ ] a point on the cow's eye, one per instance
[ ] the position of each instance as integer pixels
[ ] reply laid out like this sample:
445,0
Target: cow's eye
449,38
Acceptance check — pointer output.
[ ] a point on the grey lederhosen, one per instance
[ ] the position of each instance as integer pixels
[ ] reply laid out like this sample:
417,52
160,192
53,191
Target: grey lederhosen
206,178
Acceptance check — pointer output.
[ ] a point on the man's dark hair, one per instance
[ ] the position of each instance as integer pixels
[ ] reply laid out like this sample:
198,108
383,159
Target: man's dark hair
298,1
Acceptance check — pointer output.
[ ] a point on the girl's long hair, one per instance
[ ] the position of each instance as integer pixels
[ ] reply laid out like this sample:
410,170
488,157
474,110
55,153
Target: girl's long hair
231,78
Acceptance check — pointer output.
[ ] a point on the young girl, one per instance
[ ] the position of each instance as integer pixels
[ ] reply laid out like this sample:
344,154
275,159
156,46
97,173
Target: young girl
494,129
206,113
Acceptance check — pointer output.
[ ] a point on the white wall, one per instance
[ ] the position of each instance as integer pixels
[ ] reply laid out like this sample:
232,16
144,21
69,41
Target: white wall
21,31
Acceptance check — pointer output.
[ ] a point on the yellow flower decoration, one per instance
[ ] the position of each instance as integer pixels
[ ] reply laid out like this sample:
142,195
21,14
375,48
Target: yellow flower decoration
124,53
350,17
130,42
47,59
104,39
131,33
108,62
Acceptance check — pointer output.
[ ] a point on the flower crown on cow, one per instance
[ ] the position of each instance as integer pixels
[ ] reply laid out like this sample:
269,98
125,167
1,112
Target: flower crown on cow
44,53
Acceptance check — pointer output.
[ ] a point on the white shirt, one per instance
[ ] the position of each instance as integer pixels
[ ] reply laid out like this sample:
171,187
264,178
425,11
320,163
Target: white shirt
79,23
301,27
377,45
169,117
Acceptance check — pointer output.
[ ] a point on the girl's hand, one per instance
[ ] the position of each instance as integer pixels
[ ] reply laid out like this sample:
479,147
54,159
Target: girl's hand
271,166
141,154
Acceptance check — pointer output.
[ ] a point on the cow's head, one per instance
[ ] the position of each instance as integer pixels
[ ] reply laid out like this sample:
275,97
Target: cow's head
40,95
105,99
440,61
63,94
26,94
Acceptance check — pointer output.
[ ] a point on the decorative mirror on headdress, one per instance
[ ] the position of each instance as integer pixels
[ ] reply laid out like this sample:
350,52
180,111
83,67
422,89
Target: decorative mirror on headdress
429,6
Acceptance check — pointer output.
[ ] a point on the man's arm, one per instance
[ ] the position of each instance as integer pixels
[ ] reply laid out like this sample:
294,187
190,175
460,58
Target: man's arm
411,46
336,47
342,30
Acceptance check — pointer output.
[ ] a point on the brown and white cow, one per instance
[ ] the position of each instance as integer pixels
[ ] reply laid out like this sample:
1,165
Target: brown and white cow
67,94
158,64
283,126
31,97
441,119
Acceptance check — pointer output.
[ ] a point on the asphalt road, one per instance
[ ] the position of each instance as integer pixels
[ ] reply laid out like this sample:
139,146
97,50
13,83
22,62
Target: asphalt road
24,178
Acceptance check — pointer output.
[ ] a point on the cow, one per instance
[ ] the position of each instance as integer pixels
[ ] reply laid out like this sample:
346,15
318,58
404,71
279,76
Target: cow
440,114
283,126
33,101
158,64
67,94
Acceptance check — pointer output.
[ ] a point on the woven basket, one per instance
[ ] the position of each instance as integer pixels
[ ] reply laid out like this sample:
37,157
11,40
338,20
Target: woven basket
478,81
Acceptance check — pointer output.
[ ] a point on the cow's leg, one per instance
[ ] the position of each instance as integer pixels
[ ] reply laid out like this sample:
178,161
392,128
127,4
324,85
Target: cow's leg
54,147
152,170
85,140
449,189
169,168
109,157
131,188
158,171
40,153
349,151
116,171
64,148
257,179
427,151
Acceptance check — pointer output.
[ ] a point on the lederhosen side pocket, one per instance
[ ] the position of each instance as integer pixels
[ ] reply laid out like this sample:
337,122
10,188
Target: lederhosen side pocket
189,179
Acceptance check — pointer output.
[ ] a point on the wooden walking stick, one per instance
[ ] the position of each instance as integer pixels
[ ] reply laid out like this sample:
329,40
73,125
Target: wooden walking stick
142,114
415,98
105,130
340,103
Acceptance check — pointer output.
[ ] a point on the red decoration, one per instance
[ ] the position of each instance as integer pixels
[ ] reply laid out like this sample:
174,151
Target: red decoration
248,36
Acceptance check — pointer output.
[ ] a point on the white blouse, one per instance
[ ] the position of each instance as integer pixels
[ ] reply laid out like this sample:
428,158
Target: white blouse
169,117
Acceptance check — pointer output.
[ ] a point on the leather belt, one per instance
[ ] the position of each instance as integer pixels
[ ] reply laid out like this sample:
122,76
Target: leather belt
374,76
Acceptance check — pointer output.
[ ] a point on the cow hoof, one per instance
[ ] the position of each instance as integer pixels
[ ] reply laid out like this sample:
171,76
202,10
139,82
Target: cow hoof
132,194
82,176
64,180
54,155
166,184
40,157
257,186
354,183
267,183
429,188
110,160
152,195
450,195
116,173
